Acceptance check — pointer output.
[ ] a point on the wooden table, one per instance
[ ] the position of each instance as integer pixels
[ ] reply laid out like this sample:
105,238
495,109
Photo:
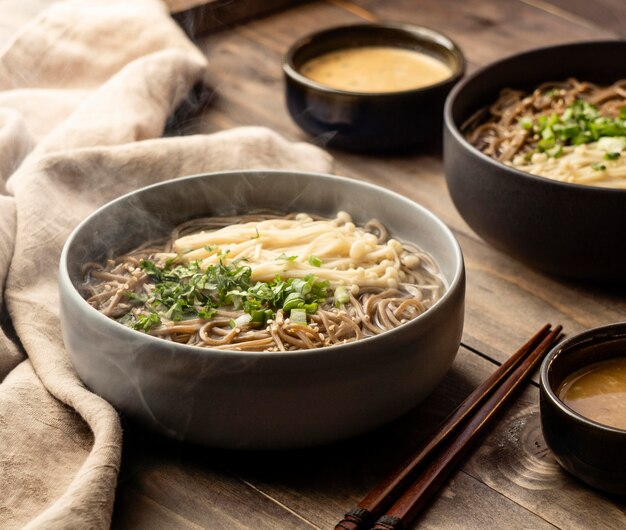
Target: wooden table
512,479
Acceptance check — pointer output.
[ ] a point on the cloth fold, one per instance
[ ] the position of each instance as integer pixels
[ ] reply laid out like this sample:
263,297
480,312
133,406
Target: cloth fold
85,92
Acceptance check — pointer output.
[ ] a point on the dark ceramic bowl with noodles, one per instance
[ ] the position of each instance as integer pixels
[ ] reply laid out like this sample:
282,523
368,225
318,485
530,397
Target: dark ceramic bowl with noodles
562,228
270,399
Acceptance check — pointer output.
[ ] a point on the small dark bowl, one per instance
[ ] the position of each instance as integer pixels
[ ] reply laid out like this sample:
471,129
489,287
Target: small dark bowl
362,121
565,229
593,452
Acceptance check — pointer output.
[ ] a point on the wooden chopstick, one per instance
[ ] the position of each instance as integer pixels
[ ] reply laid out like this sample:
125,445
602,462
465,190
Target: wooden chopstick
415,497
383,496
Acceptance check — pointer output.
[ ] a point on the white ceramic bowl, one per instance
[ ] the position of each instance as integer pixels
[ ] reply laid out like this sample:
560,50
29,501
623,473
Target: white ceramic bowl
259,400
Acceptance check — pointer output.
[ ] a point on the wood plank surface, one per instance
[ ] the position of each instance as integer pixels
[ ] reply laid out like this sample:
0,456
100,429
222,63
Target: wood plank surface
506,301
512,479
606,14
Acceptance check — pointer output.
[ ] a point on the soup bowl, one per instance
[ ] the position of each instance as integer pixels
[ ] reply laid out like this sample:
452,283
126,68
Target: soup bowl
565,229
366,121
254,400
591,451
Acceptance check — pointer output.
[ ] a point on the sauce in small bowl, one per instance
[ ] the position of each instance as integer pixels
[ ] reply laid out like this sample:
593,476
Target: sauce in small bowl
372,87
376,69
583,406
598,392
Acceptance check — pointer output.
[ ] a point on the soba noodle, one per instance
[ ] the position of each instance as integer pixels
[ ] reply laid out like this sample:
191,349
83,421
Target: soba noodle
267,283
571,131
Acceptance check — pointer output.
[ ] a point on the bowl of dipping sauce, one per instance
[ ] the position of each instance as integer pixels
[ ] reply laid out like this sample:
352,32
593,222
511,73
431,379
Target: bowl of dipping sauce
583,406
372,87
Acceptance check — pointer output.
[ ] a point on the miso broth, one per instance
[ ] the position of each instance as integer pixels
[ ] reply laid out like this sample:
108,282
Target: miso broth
598,392
376,69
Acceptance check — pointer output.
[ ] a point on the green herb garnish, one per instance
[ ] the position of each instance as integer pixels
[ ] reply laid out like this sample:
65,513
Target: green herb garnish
315,261
186,291
580,123
341,296
298,316
145,322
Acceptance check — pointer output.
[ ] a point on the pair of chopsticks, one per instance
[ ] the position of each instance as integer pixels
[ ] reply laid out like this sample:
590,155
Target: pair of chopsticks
395,502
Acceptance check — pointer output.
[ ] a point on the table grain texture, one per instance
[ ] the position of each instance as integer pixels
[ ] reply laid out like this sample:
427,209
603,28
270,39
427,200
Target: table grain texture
511,480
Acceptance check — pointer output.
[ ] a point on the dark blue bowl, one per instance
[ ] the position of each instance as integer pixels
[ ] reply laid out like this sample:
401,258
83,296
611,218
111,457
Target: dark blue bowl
593,452
361,121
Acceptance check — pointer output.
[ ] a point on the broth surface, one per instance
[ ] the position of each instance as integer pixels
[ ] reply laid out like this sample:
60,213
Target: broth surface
376,69
598,392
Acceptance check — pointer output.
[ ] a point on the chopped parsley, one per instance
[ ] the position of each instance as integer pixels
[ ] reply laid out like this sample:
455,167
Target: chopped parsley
145,322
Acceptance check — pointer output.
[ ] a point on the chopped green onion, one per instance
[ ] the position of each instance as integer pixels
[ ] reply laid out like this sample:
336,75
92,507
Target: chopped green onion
310,308
298,316
612,144
185,291
598,167
556,151
293,301
301,286
240,321
315,261
258,315
341,296
612,156
580,123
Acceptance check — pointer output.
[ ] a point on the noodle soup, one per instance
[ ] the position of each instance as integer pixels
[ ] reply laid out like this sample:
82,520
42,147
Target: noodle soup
572,131
264,282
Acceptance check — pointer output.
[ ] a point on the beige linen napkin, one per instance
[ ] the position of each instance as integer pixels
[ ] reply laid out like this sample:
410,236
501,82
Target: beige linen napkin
85,92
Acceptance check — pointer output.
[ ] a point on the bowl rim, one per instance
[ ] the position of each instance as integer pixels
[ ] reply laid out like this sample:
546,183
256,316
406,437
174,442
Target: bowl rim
458,279
450,124
421,33
600,334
